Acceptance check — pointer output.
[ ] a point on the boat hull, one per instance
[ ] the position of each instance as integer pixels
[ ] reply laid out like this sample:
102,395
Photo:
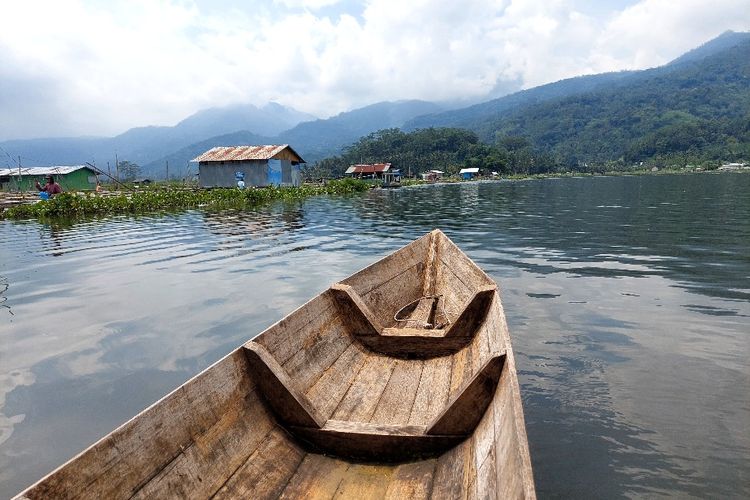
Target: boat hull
311,409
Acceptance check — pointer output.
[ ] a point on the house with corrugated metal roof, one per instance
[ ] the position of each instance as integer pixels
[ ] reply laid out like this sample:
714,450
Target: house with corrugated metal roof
275,165
371,170
70,177
468,173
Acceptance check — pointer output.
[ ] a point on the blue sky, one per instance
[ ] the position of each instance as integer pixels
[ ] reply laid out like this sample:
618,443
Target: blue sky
87,67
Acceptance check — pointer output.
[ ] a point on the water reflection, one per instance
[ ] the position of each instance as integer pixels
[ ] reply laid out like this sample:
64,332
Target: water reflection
627,300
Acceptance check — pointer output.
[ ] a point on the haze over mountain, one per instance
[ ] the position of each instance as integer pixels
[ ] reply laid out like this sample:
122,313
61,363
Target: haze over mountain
472,116
696,106
144,144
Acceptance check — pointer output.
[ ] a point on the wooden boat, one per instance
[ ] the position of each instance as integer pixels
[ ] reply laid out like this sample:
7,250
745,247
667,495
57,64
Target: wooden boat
397,382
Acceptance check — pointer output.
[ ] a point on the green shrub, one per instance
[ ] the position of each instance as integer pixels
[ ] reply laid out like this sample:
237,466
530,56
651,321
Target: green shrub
82,204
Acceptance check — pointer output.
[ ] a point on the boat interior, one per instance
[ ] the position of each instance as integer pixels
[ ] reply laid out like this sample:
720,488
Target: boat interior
398,382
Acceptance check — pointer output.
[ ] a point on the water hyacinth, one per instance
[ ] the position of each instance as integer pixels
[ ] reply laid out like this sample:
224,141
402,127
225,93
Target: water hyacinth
82,204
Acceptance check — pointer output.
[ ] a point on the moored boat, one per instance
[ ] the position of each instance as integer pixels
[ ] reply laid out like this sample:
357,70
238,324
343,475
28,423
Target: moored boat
396,382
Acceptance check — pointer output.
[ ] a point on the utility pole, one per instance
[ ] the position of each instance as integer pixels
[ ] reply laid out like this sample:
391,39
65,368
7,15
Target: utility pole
117,168
19,173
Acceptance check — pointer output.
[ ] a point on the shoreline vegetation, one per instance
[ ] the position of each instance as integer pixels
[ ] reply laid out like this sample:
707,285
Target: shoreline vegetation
77,204
177,197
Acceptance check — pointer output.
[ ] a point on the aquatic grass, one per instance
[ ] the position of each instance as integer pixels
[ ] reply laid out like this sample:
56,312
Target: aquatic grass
150,200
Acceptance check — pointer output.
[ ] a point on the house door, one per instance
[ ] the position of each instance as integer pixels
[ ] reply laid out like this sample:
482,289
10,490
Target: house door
274,172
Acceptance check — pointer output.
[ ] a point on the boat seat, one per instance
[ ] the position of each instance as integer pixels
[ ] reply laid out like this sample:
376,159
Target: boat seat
412,341
374,441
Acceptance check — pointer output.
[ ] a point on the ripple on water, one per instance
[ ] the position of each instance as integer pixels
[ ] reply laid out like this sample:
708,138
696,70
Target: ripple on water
628,314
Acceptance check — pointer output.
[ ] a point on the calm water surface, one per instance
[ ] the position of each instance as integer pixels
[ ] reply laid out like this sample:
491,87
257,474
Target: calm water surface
628,300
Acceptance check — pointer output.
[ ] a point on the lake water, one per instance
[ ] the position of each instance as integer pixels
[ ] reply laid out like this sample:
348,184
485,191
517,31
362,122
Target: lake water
628,300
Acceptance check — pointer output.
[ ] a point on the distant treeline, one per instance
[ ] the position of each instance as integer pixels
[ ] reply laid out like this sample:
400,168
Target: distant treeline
693,112
446,149
451,149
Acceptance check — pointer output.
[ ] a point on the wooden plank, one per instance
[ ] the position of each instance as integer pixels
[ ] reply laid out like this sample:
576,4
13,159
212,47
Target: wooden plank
473,315
511,432
456,293
365,482
461,265
461,369
485,485
267,471
414,347
203,466
317,478
361,318
420,316
495,326
319,353
454,473
384,270
507,464
413,332
394,406
431,264
327,392
360,401
386,299
374,442
122,462
299,328
412,481
468,405
290,404
432,393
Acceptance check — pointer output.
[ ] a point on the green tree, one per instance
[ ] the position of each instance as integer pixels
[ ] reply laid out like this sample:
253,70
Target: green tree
129,171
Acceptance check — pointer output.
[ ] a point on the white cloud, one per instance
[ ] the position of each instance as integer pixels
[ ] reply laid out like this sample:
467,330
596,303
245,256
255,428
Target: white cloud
82,67
307,4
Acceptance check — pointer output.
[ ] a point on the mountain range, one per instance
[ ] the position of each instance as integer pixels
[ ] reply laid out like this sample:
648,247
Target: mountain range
702,98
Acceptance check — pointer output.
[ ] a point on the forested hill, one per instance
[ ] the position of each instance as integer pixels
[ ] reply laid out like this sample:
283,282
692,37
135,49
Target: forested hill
694,109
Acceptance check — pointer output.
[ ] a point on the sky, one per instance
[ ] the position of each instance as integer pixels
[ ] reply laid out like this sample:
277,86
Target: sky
100,67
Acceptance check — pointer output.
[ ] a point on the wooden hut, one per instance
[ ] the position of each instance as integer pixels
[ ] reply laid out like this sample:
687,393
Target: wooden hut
70,177
368,171
274,165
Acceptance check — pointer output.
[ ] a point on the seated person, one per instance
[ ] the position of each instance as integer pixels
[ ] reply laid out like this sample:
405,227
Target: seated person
51,187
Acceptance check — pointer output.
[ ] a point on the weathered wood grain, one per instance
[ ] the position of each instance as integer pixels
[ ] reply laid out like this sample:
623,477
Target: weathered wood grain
454,473
317,478
327,392
432,393
414,346
397,399
473,314
386,269
468,405
290,404
363,395
285,338
461,369
365,482
412,481
267,471
386,299
309,363
361,319
374,442
214,454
